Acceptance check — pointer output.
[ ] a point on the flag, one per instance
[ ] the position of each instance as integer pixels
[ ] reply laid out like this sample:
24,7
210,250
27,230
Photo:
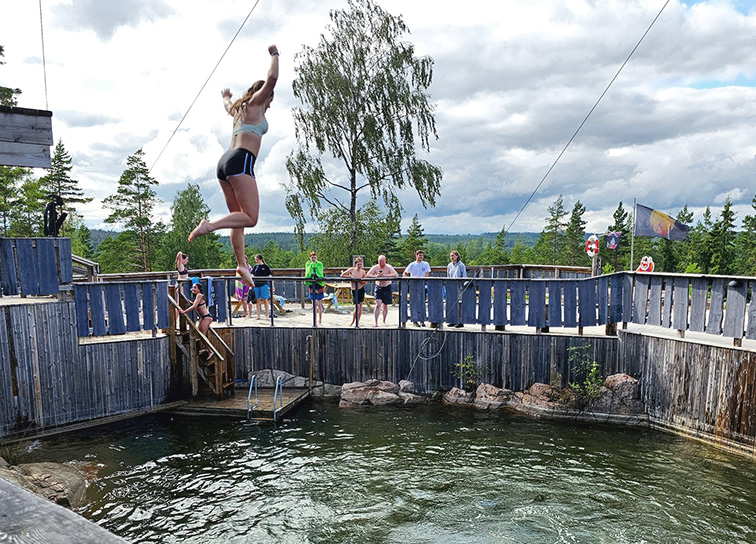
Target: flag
650,222
612,239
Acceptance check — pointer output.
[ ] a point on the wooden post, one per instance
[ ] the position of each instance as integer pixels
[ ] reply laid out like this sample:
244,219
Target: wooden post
311,355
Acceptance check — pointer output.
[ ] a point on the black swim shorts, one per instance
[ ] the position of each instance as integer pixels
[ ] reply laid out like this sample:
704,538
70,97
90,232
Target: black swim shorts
358,295
236,162
383,294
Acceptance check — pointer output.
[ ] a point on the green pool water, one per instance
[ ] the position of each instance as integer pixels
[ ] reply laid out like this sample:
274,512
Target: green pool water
396,475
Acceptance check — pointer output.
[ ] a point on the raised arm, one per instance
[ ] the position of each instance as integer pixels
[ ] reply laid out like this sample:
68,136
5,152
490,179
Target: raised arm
227,102
193,306
270,82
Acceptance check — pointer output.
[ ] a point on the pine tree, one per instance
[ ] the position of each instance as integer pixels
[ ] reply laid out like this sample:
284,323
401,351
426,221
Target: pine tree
132,206
415,240
573,251
745,245
723,238
28,209
59,181
549,244
11,178
620,257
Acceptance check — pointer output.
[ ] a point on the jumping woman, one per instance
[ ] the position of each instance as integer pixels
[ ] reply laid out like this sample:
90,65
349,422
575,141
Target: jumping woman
236,167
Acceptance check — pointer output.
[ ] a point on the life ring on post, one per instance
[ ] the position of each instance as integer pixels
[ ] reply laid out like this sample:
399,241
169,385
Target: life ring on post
592,246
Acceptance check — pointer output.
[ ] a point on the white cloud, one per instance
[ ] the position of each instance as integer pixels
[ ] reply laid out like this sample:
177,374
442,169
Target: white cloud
513,79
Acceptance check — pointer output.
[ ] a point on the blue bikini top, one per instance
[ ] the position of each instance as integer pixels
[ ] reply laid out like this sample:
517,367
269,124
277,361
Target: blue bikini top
260,129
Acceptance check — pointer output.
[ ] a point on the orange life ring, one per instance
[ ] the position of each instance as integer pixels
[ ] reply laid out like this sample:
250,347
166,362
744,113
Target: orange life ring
592,246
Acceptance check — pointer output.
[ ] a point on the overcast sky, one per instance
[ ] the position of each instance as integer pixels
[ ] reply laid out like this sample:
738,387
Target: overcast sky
512,82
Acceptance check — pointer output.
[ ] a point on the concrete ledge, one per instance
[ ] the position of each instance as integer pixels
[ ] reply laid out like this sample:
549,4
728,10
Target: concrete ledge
630,420
26,517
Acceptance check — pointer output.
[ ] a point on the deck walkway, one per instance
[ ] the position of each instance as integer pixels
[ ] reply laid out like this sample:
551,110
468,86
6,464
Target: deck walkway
236,406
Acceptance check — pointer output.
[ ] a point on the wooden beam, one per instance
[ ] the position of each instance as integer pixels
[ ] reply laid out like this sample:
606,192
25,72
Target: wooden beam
25,137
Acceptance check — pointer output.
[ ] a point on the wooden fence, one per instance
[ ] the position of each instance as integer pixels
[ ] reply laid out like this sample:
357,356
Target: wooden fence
35,266
47,378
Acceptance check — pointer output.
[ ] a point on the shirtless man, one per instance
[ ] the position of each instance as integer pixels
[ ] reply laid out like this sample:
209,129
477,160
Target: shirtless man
382,288
358,288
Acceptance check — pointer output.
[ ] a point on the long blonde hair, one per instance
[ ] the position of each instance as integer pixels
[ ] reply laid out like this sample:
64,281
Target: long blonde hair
237,108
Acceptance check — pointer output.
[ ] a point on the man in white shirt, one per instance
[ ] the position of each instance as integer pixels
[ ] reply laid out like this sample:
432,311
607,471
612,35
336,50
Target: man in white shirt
418,269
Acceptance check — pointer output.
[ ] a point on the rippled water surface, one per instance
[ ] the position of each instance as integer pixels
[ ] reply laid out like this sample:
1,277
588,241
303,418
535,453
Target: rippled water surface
426,474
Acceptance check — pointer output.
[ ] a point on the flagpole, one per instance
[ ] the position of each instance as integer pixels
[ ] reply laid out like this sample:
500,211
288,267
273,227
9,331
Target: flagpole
632,234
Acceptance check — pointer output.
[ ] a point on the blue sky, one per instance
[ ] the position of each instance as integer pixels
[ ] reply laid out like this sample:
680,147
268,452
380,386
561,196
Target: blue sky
513,79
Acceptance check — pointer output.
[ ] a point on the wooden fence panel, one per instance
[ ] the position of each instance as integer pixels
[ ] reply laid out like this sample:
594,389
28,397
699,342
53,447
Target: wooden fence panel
28,266
484,301
734,323
65,262
436,301
470,302
114,308
131,304
417,300
47,261
82,309
669,302
751,334
615,298
7,410
698,304
627,298
500,303
163,308
570,303
679,303
555,303
403,309
148,307
655,301
602,294
518,302
537,303
97,310
587,302
716,310
640,300
221,300
8,268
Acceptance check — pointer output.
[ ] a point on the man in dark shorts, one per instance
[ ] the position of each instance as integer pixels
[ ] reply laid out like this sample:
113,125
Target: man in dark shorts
382,288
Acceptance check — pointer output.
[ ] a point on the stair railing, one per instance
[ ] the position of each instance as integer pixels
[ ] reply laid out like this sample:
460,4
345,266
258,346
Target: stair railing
250,406
278,396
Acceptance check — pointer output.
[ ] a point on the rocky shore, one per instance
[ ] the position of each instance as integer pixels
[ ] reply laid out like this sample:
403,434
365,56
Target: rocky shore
618,400
65,485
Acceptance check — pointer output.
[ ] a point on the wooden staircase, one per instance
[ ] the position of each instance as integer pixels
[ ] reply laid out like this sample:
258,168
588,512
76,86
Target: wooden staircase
211,360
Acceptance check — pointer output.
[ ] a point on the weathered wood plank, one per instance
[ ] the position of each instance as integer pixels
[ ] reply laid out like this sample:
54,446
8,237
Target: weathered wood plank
734,323
148,306
669,302
28,267
470,302
751,334
587,302
65,264
25,155
602,294
114,308
680,303
615,298
436,301
8,275
97,309
163,308
640,298
417,300
518,302
627,297
485,301
655,301
716,311
47,261
537,303
500,303
570,307
555,303
698,304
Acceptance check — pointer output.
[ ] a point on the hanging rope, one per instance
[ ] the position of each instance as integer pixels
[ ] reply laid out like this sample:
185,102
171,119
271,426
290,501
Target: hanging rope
586,117
204,85
44,63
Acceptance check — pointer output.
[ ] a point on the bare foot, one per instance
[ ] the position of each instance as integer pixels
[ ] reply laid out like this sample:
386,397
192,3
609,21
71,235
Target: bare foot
200,230
246,277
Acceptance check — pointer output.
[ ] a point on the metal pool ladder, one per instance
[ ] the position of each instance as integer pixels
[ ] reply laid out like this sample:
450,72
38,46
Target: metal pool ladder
250,406
278,396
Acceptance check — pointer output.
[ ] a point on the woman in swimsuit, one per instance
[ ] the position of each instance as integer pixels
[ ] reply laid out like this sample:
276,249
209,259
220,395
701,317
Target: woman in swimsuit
203,323
181,260
236,166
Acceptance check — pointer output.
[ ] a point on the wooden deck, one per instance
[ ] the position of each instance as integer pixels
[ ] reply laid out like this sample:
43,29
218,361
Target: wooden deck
236,406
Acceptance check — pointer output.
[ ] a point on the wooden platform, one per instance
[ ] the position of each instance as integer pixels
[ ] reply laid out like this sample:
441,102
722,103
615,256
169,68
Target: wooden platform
236,406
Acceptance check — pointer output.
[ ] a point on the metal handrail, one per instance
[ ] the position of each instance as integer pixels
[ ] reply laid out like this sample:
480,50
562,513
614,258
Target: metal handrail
277,395
250,406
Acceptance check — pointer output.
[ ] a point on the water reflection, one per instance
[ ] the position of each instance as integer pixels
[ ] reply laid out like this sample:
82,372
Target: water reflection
426,474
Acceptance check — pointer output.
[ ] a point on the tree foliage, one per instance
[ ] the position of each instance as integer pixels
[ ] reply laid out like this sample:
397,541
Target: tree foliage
7,94
365,104
59,181
132,206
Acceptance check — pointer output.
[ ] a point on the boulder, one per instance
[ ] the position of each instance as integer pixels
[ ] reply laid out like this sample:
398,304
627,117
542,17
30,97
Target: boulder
62,484
619,395
406,386
375,392
458,397
411,398
489,397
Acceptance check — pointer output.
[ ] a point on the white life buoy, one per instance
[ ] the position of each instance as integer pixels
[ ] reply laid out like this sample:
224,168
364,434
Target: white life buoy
592,246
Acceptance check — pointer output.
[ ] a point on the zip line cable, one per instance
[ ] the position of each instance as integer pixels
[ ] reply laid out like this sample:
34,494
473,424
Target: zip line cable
203,85
44,63
586,117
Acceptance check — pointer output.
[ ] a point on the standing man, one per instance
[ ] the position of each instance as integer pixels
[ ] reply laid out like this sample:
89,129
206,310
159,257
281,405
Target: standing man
358,288
382,288
456,269
418,269
314,269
